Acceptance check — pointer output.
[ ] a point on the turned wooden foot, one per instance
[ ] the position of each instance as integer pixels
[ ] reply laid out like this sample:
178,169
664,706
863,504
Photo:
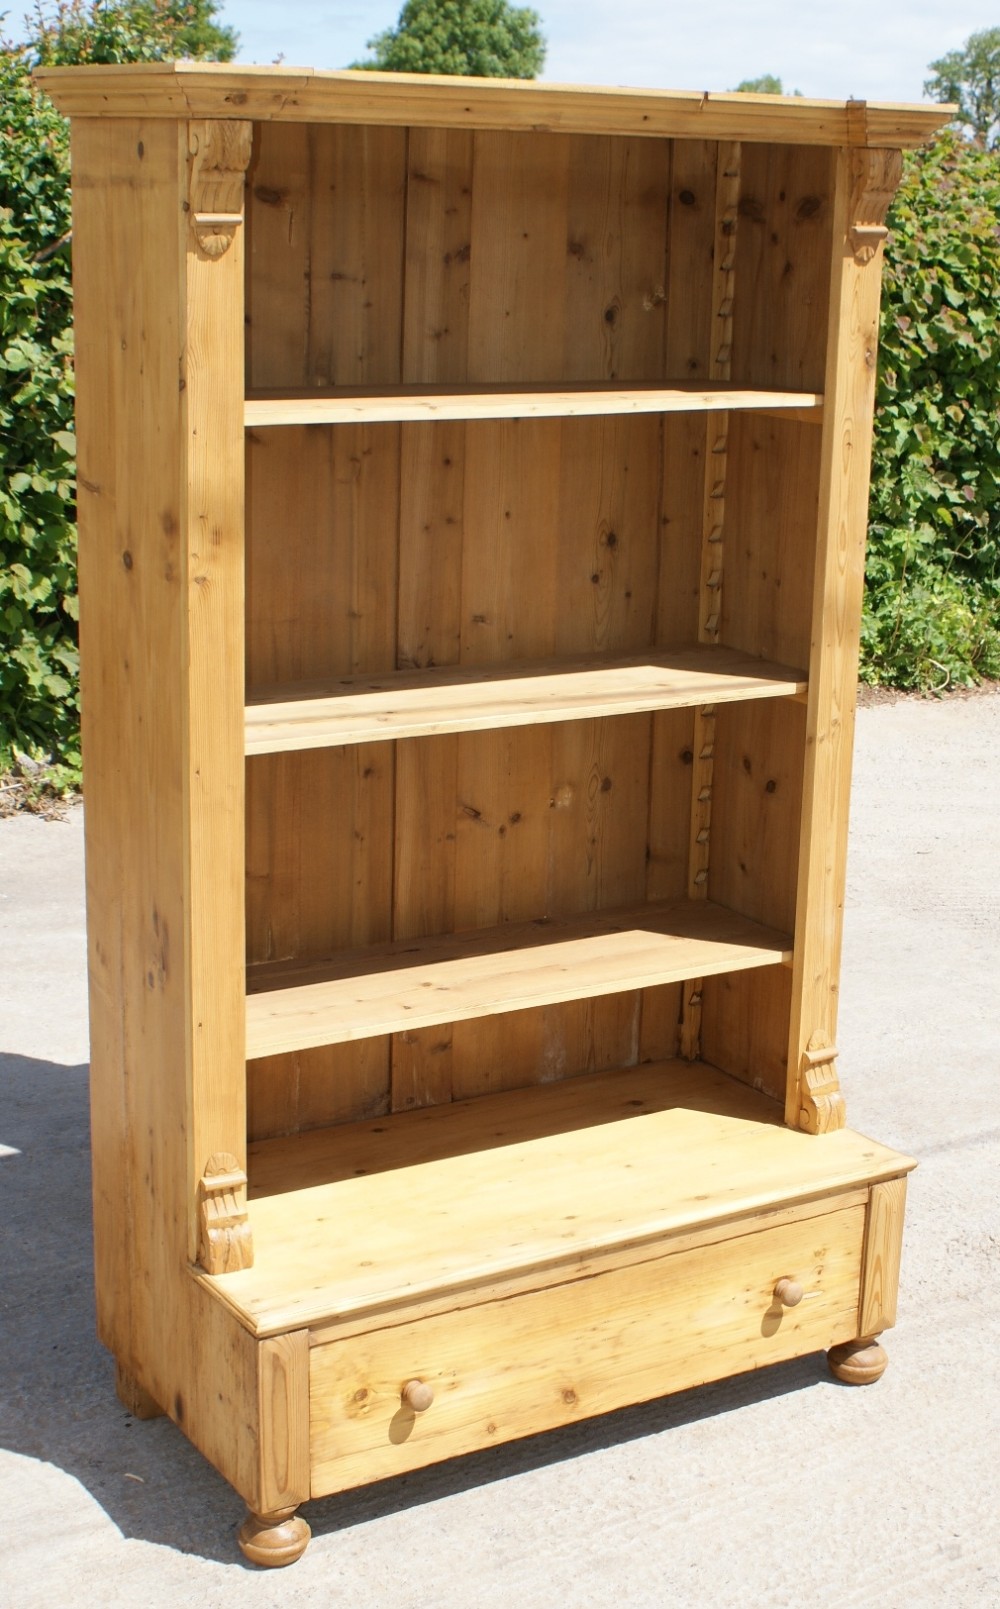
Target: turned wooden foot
134,1398
858,1363
274,1539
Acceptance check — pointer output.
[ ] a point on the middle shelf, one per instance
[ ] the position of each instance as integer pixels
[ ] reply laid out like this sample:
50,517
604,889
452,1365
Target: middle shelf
412,403
470,698
394,988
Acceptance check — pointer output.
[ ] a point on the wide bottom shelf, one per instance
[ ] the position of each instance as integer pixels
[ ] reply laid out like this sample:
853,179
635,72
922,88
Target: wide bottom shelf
370,1217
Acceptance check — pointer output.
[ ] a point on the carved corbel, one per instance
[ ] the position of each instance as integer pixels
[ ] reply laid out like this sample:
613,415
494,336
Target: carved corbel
225,1243
218,155
821,1105
875,177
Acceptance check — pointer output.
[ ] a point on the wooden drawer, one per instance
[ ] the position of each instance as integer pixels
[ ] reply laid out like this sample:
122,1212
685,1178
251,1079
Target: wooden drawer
512,1367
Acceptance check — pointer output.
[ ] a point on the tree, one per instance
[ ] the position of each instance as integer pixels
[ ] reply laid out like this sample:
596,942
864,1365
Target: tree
971,78
471,38
766,84
77,32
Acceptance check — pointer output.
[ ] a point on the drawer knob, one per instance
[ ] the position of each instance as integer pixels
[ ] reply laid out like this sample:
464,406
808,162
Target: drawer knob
418,1395
788,1292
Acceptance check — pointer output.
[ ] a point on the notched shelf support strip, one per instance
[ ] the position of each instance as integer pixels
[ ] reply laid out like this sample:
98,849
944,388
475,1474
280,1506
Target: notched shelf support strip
727,201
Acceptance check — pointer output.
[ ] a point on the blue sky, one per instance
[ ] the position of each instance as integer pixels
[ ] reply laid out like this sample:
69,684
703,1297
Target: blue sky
872,49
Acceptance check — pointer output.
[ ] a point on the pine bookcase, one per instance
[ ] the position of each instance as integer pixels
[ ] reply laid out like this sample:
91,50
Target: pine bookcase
472,506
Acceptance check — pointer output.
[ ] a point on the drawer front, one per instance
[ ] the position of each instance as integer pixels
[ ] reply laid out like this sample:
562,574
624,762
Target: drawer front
513,1367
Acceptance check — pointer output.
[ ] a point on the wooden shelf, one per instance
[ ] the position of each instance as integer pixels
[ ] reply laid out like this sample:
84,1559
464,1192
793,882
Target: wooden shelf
371,405
460,698
405,1209
398,987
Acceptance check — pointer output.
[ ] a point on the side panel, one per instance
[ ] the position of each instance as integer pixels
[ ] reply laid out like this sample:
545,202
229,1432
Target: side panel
864,187
160,432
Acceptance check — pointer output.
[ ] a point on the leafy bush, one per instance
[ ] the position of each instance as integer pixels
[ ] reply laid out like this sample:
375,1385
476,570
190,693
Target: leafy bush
39,705
38,671
932,610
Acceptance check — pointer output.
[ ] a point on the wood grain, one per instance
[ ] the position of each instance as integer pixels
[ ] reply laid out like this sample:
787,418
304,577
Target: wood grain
433,1209
838,587
480,698
305,95
283,1386
508,968
160,579
416,403
553,1357
883,1250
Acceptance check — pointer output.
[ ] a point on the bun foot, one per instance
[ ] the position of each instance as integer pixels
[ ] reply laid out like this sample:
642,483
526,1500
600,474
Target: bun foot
858,1363
274,1539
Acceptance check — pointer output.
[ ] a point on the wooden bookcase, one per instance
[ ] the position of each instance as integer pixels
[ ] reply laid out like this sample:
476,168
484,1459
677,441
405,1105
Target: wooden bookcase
472,502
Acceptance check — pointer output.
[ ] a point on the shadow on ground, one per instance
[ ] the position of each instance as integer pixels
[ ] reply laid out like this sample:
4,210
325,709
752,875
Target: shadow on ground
57,1399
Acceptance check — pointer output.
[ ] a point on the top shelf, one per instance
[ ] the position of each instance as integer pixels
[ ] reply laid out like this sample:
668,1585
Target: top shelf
414,403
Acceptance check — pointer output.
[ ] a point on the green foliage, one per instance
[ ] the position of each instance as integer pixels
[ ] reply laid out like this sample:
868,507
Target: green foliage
933,596
38,667
77,32
471,38
766,84
39,711
971,78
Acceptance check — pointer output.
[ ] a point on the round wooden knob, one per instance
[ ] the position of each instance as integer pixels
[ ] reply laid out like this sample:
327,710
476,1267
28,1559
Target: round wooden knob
788,1292
418,1395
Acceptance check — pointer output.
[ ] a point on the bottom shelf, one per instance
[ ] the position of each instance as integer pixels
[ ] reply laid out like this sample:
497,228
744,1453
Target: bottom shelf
418,1207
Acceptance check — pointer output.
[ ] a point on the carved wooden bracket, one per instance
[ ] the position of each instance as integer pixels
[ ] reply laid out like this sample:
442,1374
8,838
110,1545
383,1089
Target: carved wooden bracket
875,177
218,154
821,1105
225,1243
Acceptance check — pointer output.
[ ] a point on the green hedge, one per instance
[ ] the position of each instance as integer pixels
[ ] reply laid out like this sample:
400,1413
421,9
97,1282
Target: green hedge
932,612
38,665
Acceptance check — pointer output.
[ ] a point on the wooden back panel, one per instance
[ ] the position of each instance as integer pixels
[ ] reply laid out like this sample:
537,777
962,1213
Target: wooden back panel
387,256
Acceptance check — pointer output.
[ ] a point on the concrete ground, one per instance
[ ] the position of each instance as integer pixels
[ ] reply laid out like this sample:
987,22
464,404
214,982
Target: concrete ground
776,1489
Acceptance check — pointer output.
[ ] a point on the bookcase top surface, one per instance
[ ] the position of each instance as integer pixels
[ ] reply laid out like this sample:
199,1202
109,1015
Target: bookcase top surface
306,95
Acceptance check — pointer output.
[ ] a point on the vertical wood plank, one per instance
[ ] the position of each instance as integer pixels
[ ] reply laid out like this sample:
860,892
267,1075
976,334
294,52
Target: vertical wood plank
616,258
438,256
212,520
159,551
882,1255
517,317
283,1385
322,508
326,242
813,1099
